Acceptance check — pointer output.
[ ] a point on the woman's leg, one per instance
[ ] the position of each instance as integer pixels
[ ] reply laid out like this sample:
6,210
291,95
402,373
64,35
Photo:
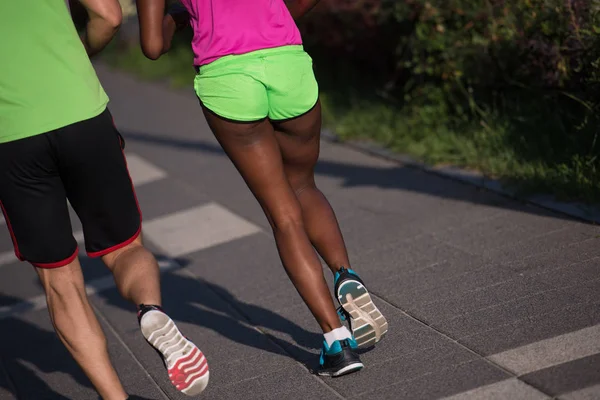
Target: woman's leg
299,140
253,149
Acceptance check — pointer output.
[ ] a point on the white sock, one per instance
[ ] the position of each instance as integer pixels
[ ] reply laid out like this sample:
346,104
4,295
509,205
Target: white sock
337,334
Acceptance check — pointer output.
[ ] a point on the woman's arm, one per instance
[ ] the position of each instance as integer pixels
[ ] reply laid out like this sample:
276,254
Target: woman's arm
300,7
156,28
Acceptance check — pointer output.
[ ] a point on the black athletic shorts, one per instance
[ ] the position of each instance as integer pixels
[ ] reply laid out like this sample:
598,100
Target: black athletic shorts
84,163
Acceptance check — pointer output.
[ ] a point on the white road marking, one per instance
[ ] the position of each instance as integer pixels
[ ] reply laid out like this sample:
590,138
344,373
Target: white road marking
589,393
142,171
550,352
196,229
512,389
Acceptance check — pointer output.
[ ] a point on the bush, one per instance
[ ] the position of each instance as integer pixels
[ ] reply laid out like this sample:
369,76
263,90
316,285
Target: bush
509,87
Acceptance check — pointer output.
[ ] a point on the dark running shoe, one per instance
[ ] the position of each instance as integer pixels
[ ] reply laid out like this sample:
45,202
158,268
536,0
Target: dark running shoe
339,359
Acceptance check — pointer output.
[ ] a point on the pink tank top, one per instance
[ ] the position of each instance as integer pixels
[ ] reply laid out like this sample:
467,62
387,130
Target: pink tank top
226,27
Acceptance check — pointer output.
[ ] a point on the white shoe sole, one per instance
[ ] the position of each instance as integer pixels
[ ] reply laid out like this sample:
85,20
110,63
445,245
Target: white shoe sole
186,365
368,324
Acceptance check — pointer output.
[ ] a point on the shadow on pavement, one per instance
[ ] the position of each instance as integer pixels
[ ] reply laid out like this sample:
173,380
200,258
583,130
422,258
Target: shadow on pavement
400,177
196,301
26,347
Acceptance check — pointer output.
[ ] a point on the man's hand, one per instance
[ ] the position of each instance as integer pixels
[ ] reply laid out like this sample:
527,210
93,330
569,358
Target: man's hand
300,7
104,21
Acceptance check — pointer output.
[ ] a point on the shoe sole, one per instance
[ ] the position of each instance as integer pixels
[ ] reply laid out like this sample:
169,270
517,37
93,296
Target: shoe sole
186,365
348,369
368,324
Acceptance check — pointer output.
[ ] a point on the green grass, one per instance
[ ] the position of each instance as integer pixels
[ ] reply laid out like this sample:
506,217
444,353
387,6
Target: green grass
518,145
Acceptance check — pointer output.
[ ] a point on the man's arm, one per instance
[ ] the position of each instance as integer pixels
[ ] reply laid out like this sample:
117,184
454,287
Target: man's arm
300,7
104,21
156,28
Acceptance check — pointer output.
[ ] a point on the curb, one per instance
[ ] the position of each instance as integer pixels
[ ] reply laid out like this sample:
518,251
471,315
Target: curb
580,211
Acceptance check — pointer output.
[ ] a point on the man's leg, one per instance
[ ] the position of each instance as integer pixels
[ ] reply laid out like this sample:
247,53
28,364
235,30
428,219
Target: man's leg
33,200
78,328
136,273
100,190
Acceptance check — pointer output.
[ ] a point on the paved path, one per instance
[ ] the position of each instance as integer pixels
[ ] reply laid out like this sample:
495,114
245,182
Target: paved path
486,298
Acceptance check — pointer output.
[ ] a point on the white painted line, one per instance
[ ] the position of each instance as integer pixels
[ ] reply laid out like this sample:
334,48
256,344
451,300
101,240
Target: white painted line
96,286
550,352
196,229
512,389
142,171
589,393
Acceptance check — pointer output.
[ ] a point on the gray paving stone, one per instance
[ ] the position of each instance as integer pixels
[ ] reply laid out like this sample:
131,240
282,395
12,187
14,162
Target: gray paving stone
293,383
510,312
38,363
41,367
567,377
560,256
574,274
249,268
444,280
402,367
538,220
587,393
533,329
479,299
19,282
483,238
512,389
155,201
5,240
405,347
445,214
439,383
550,352
227,339
365,231
402,257
540,245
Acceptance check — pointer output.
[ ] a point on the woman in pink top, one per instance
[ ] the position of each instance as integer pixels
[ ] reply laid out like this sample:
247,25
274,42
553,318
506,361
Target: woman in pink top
259,95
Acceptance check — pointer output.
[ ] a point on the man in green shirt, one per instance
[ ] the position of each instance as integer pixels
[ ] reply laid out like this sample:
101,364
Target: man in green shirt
58,142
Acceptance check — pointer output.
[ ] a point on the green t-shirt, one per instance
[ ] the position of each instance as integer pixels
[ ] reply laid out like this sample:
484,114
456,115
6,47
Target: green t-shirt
46,78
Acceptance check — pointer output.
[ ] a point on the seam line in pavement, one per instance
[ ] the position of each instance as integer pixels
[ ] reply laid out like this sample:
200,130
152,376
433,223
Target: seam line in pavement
128,350
267,336
448,337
